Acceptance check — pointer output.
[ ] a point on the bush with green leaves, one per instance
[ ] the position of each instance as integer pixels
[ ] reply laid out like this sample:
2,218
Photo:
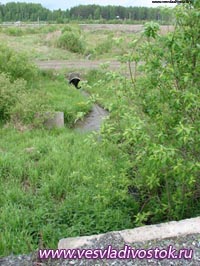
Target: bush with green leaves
19,104
165,149
17,65
9,95
13,31
30,108
48,28
52,188
71,41
151,29
155,120
67,28
22,95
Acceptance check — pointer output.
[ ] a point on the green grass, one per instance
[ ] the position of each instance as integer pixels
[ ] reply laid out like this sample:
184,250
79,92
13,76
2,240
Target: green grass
41,43
61,183
36,47
63,97
103,44
49,93
57,184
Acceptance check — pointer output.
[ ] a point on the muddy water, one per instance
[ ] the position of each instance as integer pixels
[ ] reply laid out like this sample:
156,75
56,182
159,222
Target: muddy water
93,120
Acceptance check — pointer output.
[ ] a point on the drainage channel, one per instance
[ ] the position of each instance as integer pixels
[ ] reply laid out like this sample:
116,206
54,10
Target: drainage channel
93,120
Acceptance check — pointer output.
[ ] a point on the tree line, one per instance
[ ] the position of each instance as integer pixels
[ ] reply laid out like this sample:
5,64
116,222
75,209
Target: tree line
32,12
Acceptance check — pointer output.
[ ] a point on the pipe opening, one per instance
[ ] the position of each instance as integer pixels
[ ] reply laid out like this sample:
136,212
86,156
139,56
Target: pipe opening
74,78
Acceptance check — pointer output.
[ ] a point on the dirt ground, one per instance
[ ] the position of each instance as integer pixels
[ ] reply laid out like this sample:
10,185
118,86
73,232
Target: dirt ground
122,27
76,64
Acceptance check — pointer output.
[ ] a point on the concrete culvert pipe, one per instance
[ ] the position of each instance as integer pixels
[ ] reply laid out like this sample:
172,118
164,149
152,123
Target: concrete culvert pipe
74,78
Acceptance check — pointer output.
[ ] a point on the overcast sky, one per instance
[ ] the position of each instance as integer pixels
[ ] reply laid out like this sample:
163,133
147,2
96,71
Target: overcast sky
65,4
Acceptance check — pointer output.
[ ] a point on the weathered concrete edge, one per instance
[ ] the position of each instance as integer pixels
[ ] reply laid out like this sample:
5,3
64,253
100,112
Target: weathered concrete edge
140,234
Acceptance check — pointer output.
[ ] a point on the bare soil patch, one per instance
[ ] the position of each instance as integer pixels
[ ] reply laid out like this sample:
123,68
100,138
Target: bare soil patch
122,27
77,64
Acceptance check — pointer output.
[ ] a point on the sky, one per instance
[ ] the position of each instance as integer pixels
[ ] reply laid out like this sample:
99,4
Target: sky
66,4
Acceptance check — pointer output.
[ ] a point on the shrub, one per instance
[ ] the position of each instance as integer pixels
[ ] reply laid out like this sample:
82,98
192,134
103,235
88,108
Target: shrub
66,28
9,95
71,41
19,104
151,29
29,104
19,67
14,31
16,65
104,47
49,28
156,121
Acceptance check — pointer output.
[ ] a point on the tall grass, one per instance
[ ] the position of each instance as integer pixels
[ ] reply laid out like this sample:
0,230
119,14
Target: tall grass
57,184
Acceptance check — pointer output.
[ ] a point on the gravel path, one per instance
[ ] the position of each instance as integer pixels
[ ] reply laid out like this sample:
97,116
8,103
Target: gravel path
189,242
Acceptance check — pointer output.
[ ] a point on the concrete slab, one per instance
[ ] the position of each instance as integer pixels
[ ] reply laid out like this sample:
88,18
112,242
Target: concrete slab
140,234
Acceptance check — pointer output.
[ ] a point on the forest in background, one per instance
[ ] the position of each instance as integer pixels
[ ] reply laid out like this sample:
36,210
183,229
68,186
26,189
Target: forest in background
33,12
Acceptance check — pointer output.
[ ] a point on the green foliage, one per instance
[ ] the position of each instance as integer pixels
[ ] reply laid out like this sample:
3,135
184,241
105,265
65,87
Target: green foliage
23,95
15,74
71,41
104,47
23,31
29,104
155,120
14,31
67,28
23,12
144,170
16,65
119,13
151,29
89,13
17,103
53,188
51,94
9,95
48,28
62,97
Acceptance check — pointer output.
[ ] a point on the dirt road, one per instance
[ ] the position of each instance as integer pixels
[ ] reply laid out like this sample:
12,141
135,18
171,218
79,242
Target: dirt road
127,28
76,64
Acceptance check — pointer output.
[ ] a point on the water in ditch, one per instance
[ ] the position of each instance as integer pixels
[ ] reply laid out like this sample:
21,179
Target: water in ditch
93,120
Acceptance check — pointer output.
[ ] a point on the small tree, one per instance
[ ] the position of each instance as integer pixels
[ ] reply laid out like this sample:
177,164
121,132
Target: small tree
71,41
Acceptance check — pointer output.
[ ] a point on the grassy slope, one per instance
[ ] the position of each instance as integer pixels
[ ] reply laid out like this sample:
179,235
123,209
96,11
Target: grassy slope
58,183
61,183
